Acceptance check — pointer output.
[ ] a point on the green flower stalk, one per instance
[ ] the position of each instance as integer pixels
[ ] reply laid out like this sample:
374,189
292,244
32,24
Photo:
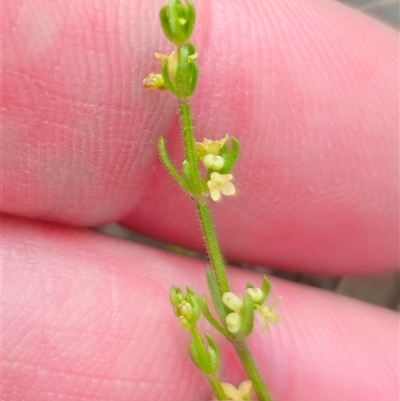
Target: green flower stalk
205,173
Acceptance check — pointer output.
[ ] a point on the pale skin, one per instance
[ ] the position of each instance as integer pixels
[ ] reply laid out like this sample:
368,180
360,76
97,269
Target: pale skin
311,91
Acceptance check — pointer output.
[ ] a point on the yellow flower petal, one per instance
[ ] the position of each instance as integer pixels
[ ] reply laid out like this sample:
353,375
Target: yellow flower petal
220,183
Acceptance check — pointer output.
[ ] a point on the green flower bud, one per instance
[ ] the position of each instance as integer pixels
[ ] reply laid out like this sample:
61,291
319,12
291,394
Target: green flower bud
183,82
177,21
176,297
187,307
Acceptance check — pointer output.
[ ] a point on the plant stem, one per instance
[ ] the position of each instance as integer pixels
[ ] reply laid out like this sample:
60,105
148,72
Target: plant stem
217,388
203,212
251,369
210,239
217,262
188,138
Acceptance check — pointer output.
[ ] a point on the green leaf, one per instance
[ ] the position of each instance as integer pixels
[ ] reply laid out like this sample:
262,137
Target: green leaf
195,302
215,294
162,151
164,20
198,355
266,288
167,80
247,317
186,73
193,76
214,322
191,18
175,26
214,355
230,156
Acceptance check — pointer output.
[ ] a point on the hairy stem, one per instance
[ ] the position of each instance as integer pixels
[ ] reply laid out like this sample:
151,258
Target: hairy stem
251,369
217,388
215,256
211,243
188,138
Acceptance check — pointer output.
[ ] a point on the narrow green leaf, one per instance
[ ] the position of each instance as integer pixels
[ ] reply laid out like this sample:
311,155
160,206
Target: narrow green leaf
191,19
182,72
167,80
164,20
198,355
211,319
177,34
215,294
266,288
247,317
231,156
162,151
214,355
194,73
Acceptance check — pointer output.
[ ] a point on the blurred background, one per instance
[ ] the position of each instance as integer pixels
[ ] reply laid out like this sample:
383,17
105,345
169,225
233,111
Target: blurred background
386,11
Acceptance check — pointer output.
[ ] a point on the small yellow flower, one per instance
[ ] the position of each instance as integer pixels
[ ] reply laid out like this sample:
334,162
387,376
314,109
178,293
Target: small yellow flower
242,393
172,62
154,81
220,183
269,314
208,147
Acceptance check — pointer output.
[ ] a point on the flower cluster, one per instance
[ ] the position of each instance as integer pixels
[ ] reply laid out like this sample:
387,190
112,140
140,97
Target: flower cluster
186,306
210,153
236,319
156,81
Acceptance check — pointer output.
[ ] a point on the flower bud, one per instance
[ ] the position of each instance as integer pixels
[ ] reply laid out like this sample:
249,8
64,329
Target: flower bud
177,21
154,81
187,307
233,322
232,301
255,293
213,162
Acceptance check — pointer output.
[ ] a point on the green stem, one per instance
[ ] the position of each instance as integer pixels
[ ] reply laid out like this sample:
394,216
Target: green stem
252,371
217,262
211,242
188,138
203,212
217,387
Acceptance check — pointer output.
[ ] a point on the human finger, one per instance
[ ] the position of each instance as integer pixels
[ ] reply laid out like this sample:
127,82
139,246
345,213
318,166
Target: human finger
87,317
311,93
